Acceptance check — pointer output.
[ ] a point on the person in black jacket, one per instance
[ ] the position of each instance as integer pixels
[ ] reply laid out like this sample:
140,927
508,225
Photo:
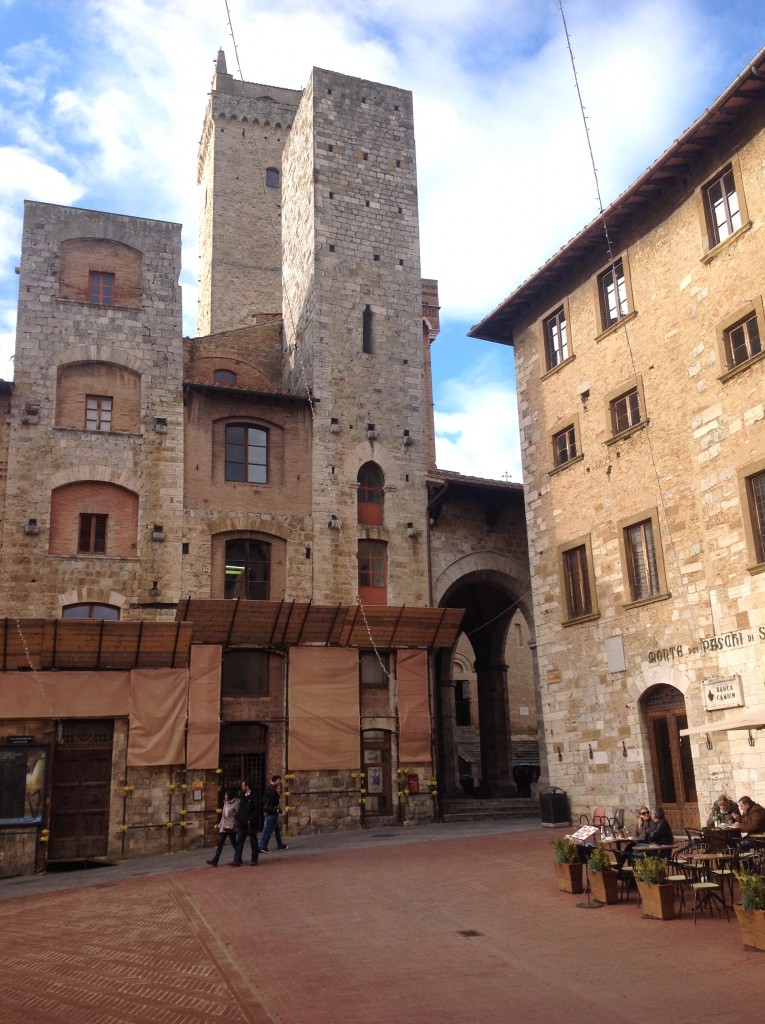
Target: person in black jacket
659,832
246,825
271,809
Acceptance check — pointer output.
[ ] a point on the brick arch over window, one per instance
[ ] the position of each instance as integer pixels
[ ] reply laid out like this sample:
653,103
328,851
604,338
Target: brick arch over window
256,548
118,265
370,494
99,397
93,519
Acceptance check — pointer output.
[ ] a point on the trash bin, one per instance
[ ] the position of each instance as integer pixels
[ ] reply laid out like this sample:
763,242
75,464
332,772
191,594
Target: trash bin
554,806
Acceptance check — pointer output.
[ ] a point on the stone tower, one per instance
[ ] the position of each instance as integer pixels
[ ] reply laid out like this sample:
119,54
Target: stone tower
353,318
95,457
239,173
309,208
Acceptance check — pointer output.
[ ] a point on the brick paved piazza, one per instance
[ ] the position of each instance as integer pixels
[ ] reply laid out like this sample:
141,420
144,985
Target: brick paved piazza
433,925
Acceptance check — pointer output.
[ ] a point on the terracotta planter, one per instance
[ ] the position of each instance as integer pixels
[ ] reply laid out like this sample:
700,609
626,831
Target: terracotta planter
570,877
604,886
658,900
752,925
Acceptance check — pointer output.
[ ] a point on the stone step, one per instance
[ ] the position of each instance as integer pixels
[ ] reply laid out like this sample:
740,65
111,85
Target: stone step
475,810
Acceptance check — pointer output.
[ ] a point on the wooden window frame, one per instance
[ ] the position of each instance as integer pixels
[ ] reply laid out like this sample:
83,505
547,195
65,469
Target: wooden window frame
556,320
624,527
754,524
372,558
100,288
372,674
231,448
102,407
752,311
634,385
245,672
92,533
261,588
224,378
712,241
600,285
370,496
569,427
589,609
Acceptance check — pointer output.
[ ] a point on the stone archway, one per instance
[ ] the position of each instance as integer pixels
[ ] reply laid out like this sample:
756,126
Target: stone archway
487,683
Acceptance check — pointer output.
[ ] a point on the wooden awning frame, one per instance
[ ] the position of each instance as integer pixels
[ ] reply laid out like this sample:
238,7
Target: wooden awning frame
240,623
95,644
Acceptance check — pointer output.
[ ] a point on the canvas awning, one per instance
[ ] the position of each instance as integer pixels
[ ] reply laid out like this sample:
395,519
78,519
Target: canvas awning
749,721
290,623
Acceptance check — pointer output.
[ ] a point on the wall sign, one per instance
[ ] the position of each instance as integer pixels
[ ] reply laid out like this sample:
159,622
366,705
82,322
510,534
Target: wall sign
724,692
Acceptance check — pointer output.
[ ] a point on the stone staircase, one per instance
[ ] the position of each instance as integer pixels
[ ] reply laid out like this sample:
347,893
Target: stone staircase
471,809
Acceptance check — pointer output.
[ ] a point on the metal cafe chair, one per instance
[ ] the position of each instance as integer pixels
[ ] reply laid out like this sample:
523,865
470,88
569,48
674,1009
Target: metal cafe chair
706,892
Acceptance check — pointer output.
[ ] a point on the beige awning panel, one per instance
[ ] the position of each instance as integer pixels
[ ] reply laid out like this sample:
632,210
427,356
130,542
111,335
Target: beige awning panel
323,705
728,725
413,706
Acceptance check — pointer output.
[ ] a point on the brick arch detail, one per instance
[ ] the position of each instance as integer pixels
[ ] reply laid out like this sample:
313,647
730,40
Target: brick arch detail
92,595
99,353
656,675
97,474
120,504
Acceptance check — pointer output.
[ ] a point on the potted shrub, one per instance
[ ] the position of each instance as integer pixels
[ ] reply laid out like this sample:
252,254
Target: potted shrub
656,893
569,869
603,879
751,910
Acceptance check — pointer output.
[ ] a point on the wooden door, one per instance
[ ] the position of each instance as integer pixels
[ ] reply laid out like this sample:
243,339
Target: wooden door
80,791
674,778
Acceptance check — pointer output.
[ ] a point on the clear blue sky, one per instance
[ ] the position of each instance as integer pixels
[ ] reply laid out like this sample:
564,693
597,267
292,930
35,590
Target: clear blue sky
102,104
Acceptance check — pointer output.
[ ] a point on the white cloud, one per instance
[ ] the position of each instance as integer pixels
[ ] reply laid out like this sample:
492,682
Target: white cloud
477,426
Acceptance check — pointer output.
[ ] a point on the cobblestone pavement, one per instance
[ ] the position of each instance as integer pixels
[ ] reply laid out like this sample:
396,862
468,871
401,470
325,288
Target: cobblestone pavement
431,925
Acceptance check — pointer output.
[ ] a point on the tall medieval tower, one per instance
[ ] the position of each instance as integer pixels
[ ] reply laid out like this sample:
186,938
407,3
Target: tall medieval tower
344,224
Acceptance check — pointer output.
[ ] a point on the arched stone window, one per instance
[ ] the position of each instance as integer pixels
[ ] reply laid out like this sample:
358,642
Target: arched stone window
248,570
92,518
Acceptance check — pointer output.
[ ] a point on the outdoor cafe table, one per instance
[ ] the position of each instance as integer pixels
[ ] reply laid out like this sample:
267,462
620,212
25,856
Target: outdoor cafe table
616,841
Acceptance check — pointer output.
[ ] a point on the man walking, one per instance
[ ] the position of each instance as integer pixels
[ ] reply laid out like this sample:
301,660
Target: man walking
246,825
271,825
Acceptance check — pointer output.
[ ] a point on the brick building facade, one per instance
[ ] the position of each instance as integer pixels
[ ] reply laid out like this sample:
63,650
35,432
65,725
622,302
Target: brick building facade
640,387
240,542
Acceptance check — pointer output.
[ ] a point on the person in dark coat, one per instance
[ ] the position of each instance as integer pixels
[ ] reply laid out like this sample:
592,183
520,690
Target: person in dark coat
659,832
752,815
246,825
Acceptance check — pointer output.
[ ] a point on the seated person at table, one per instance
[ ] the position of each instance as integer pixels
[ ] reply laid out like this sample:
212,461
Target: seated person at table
659,831
752,815
642,825
724,812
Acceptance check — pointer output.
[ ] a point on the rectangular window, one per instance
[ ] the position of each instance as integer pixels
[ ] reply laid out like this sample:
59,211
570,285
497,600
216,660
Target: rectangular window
462,702
556,338
755,486
742,341
374,668
564,446
577,582
92,538
246,454
372,570
366,330
625,411
100,288
642,566
244,673
98,412
612,290
722,207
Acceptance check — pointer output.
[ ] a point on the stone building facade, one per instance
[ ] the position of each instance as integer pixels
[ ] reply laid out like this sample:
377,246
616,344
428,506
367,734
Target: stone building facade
640,389
233,555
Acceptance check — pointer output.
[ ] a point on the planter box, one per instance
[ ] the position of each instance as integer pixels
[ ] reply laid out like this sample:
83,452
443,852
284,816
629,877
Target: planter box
658,900
752,925
604,886
570,877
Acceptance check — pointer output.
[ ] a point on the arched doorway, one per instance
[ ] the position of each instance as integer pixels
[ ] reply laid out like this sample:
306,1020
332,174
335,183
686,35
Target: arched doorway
486,691
671,759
